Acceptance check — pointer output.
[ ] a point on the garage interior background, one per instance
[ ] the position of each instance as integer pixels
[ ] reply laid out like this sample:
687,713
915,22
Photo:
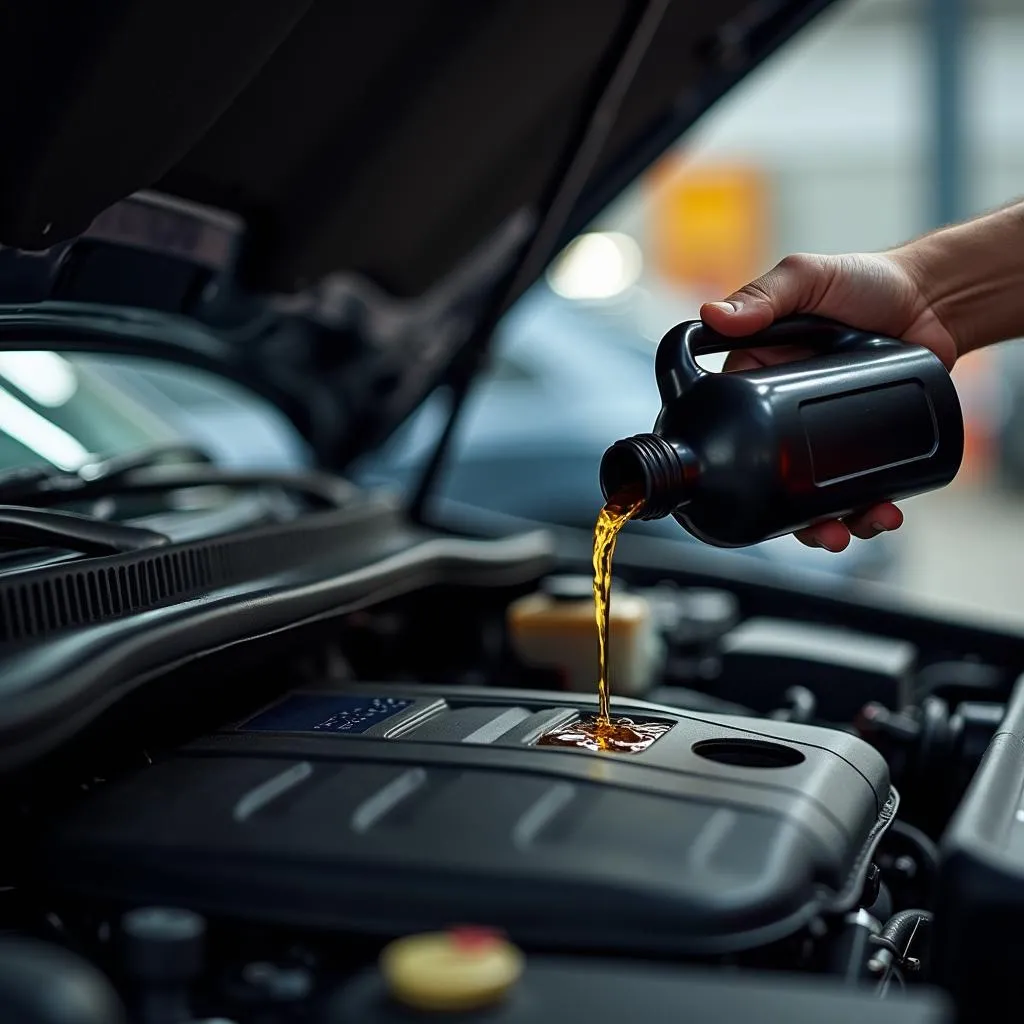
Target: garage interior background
914,120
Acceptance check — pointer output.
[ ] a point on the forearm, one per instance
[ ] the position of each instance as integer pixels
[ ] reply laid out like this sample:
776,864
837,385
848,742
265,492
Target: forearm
973,276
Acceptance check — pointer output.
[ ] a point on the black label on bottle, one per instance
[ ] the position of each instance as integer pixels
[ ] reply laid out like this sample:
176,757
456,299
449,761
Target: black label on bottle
866,431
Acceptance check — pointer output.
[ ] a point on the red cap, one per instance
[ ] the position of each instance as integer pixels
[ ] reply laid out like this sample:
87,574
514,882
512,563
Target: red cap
471,938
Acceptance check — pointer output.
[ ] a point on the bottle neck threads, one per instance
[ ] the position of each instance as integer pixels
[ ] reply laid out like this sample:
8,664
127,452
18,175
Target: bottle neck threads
648,467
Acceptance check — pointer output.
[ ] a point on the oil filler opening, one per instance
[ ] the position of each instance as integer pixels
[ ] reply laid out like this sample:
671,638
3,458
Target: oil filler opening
748,753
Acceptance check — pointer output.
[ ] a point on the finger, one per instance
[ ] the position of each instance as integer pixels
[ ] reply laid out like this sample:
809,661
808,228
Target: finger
832,535
742,360
880,519
794,285
735,319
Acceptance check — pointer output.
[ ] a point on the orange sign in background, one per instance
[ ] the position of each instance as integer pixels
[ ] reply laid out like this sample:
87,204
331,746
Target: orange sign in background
709,225
976,382
709,233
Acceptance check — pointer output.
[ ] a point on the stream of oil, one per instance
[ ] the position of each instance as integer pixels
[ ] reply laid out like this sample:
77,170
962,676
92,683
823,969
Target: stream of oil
622,735
612,518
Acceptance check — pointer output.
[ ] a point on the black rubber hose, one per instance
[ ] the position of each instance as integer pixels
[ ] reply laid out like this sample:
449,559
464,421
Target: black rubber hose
904,928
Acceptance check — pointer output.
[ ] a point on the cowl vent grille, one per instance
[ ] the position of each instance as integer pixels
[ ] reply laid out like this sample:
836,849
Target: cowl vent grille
36,602
89,593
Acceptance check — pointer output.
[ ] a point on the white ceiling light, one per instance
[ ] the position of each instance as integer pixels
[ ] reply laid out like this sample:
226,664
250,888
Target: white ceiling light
598,265
57,446
45,377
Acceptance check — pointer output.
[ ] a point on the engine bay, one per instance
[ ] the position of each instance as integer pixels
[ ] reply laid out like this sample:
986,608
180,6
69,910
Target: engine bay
396,810
246,834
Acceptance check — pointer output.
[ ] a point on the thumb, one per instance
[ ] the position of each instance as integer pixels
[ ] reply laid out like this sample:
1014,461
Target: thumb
792,286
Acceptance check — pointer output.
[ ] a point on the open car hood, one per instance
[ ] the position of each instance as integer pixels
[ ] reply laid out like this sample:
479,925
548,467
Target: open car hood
331,202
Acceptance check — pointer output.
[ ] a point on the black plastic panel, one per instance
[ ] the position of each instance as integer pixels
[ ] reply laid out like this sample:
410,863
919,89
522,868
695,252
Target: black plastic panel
447,811
978,938
844,669
388,139
271,579
554,991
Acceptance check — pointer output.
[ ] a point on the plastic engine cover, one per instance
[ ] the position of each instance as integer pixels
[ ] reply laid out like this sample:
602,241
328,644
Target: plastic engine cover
385,809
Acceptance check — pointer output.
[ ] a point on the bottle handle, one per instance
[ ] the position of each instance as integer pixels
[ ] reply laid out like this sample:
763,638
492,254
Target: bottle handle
676,366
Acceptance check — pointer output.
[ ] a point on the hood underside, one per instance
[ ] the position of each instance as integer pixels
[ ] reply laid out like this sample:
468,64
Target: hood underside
401,146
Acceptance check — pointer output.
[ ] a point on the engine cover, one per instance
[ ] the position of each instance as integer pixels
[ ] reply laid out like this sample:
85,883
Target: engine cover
383,809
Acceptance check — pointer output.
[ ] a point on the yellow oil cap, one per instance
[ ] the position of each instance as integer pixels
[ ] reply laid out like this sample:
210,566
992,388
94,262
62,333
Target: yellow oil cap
464,968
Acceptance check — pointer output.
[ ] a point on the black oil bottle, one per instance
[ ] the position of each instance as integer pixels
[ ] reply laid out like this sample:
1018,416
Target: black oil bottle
740,457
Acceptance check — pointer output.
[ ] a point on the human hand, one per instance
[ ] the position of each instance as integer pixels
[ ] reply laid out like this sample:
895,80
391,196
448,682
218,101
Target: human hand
876,292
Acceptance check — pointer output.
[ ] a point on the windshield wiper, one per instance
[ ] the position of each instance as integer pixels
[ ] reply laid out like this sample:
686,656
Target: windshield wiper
142,473
27,483
42,528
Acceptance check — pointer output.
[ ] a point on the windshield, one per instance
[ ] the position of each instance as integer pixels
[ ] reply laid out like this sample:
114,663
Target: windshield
56,413
65,410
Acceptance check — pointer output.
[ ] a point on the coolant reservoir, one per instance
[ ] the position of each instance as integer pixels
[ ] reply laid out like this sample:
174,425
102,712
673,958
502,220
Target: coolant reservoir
555,628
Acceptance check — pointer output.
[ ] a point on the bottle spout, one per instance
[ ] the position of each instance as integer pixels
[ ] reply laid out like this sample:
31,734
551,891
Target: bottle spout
651,469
